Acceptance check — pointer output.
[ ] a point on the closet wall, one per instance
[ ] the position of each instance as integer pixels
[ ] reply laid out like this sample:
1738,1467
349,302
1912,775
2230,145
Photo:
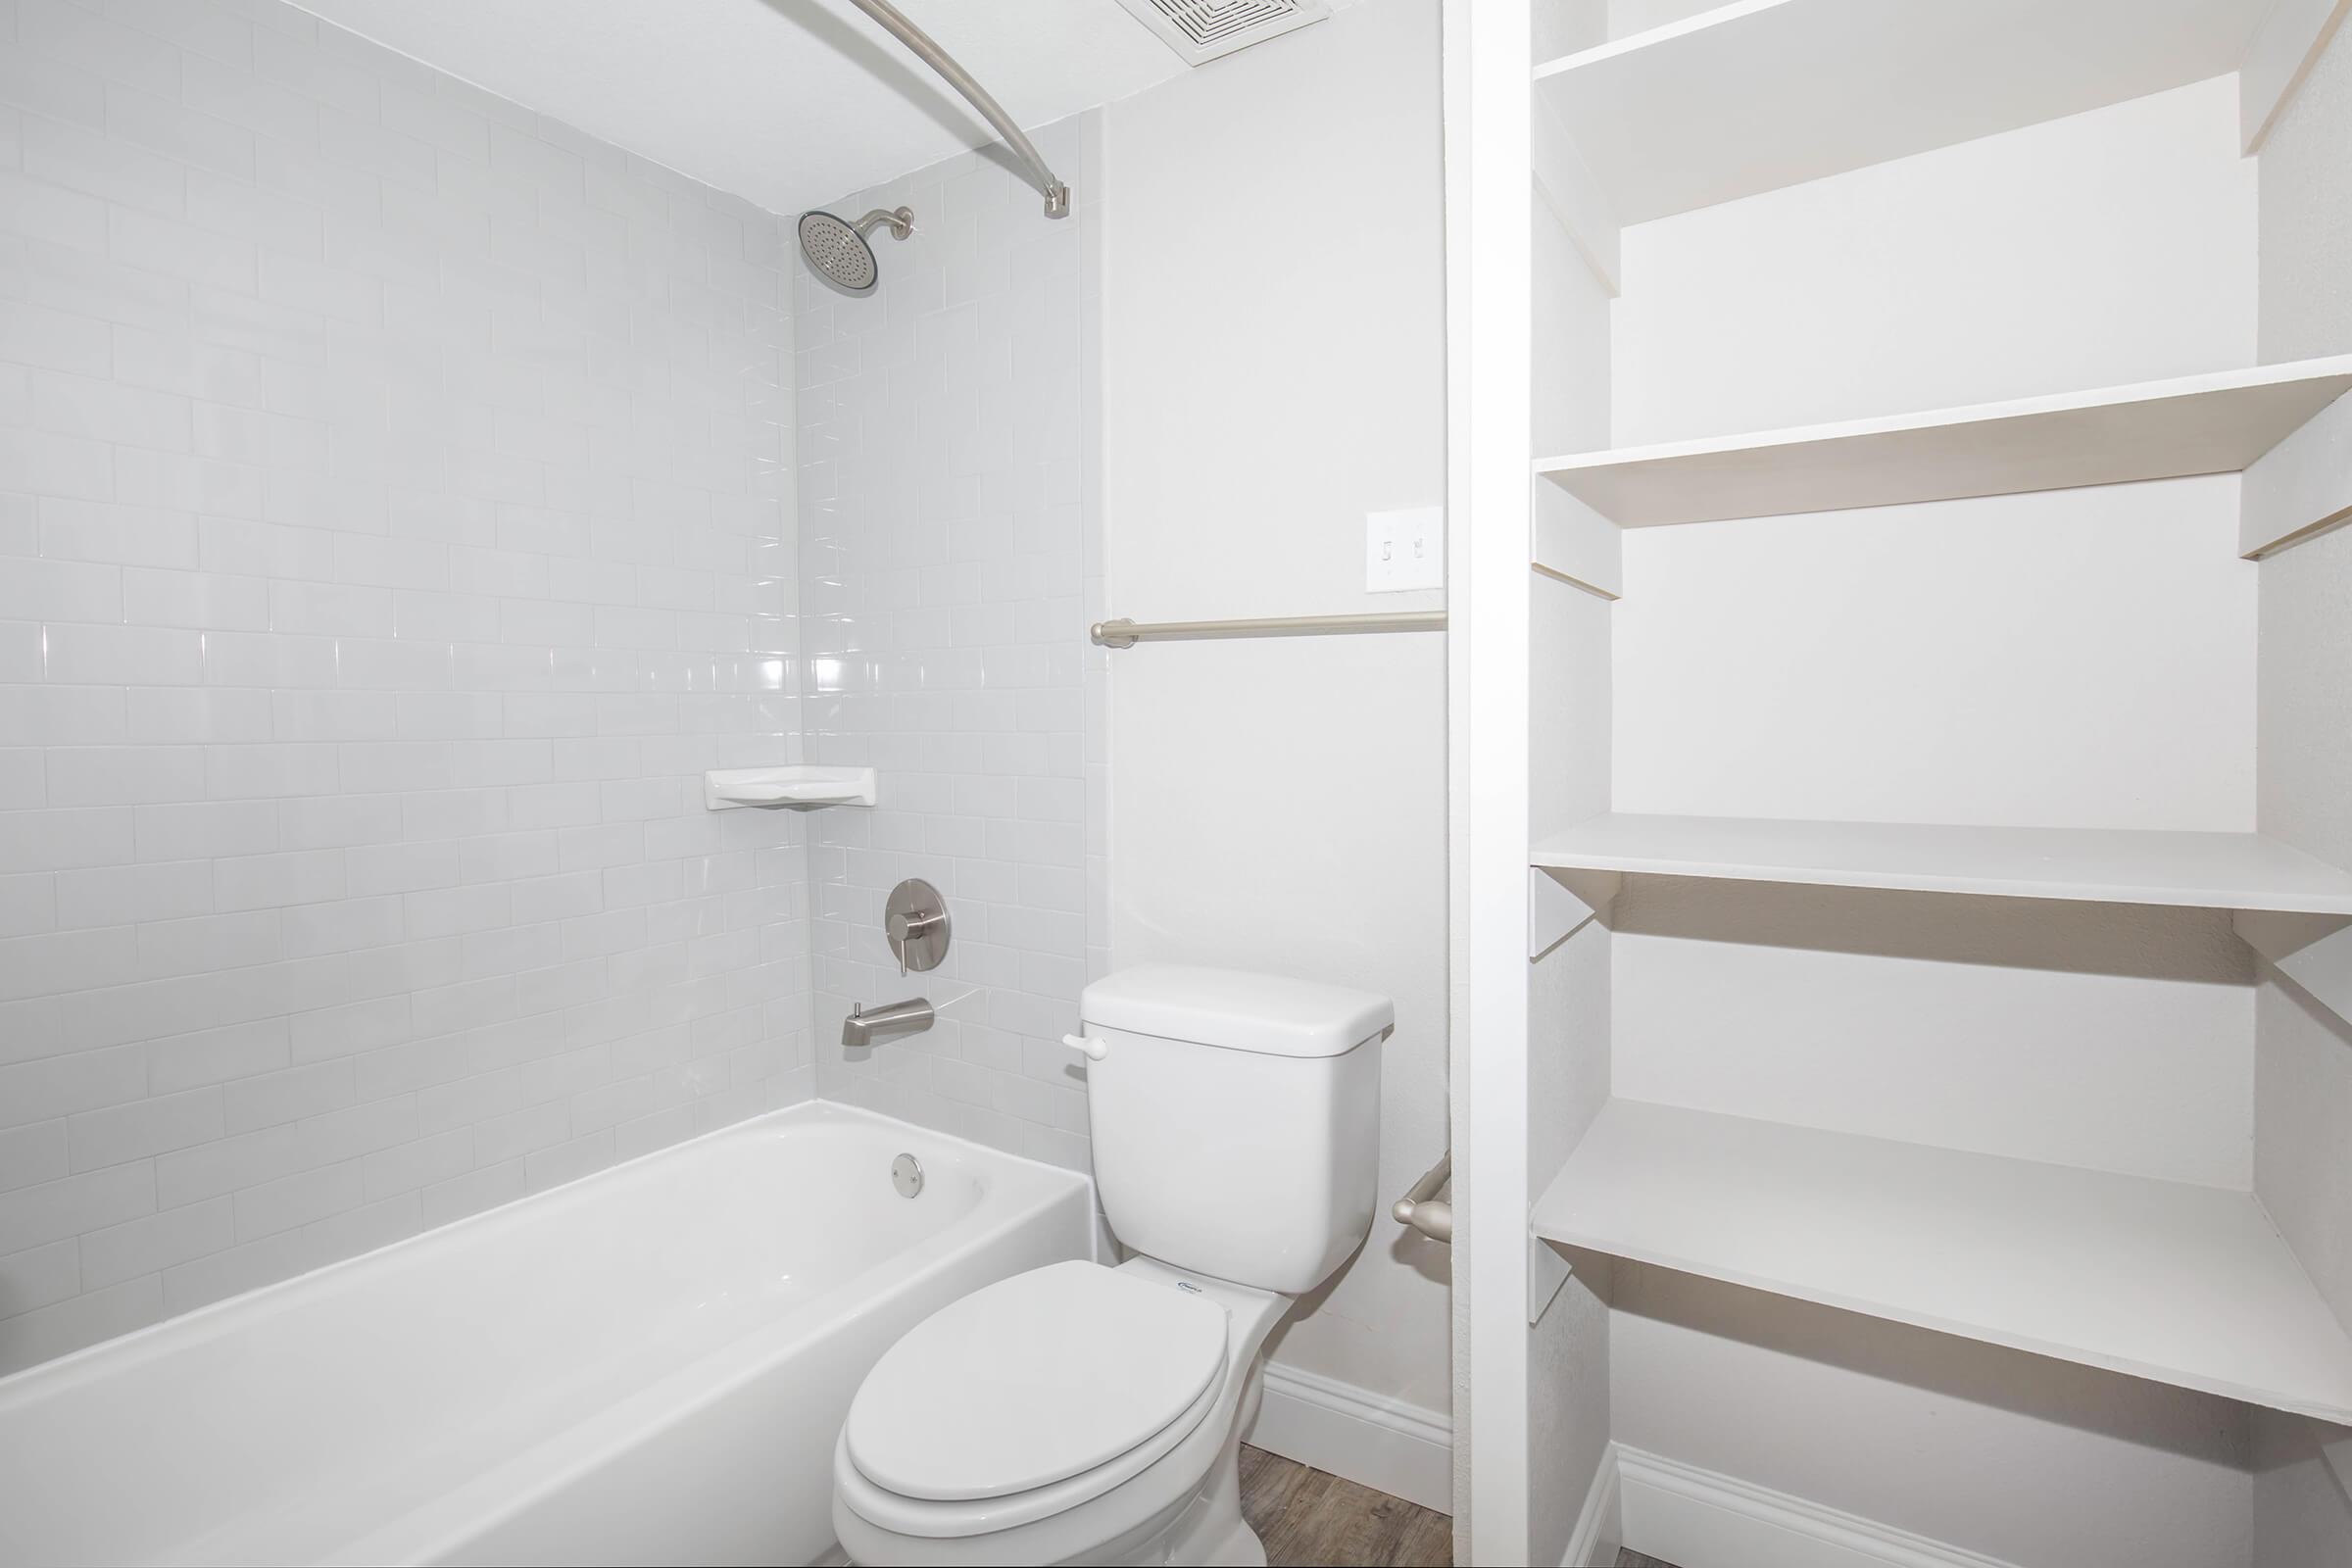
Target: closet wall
2303,1057
1569,986
2096,657
2304,1077
2068,658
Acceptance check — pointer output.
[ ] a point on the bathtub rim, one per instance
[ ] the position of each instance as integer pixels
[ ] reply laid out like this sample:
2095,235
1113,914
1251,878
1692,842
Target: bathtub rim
819,1111
430,1533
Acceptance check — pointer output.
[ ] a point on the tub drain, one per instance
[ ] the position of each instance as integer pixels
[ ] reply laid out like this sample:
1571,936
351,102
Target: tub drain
906,1175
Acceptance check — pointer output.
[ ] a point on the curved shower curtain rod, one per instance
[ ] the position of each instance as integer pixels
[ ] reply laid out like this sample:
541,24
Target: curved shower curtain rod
1058,194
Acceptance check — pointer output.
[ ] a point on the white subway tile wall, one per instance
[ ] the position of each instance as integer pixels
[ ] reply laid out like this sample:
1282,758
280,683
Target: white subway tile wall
946,541
395,520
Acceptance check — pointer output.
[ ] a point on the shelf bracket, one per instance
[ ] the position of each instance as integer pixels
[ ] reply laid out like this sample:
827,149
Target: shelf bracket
1565,184
2313,950
1572,542
1560,904
2299,489
1546,1273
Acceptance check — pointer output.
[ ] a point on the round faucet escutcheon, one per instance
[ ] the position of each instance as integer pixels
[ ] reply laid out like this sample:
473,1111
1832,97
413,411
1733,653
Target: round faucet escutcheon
914,922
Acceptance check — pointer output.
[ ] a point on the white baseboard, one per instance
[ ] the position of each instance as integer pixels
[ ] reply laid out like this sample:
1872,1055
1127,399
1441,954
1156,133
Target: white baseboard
1598,1532
1704,1519
1365,1437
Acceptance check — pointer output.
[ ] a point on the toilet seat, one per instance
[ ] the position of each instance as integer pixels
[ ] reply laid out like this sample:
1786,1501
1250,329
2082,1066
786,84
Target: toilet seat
1057,1384
1100,1514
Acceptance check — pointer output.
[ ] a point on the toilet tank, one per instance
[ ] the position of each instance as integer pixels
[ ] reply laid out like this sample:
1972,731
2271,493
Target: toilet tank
1235,1120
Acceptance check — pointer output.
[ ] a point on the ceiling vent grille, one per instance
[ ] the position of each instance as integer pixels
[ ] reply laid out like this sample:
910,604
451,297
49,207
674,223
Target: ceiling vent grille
1202,30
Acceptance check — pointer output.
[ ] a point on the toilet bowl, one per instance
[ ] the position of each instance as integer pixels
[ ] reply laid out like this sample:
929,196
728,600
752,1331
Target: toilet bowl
1089,1413
1076,1413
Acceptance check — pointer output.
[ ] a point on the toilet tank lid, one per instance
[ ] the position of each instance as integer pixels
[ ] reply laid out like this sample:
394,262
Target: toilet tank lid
1270,1014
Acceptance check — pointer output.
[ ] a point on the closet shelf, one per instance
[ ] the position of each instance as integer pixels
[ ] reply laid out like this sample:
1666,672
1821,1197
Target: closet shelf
2213,424
2184,1284
2099,865
1762,94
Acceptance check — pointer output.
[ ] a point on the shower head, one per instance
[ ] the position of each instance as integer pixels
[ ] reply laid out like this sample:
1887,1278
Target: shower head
837,249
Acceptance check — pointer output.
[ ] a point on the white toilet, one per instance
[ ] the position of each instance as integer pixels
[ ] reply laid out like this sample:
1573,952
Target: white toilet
1087,1413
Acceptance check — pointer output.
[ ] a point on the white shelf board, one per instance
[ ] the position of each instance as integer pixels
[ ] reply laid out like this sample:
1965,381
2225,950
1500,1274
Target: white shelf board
2099,865
1761,94
2185,1285
2213,424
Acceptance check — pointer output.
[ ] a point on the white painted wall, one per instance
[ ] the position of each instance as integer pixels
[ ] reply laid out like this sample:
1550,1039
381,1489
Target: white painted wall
2076,659
1273,354
2113,245
2303,1067
2107,1037
1569,1384
2029,1460
1571,1390
2302,1105
2306,214
2306,226
1639,15
1563,26
392,530
2302,1492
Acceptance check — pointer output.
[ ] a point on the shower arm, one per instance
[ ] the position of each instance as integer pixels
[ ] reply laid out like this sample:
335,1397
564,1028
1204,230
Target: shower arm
1058,194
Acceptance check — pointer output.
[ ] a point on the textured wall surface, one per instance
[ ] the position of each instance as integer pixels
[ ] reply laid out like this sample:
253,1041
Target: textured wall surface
1570,1067
394,523
1279,804
2307,215
944,558
2306,676
2303,1069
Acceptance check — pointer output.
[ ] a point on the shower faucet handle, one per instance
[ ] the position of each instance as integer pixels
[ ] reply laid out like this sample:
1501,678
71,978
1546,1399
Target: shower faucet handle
915,924
912,924
909,930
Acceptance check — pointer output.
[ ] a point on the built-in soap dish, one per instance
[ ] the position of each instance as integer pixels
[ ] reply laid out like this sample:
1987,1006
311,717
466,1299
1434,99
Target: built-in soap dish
724,789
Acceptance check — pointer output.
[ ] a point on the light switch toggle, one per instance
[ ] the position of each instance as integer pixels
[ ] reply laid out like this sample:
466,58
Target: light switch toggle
1405,550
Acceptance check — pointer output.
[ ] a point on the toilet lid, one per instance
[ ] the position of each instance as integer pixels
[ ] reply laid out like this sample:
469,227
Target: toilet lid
1033,1380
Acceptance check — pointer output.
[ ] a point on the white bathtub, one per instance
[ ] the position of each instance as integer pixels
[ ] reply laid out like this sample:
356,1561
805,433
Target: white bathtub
649,1365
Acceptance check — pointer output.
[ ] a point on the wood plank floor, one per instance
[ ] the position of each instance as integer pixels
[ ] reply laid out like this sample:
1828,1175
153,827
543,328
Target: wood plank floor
1309,1519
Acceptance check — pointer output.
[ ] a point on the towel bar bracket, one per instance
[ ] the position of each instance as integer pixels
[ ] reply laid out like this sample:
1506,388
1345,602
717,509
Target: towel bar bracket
1422,1208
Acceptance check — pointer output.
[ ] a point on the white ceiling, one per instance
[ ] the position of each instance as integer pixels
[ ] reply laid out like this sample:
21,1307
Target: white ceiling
788,103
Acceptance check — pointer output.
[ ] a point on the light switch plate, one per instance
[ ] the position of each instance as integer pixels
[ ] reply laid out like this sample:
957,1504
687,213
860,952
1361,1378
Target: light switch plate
1405,548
